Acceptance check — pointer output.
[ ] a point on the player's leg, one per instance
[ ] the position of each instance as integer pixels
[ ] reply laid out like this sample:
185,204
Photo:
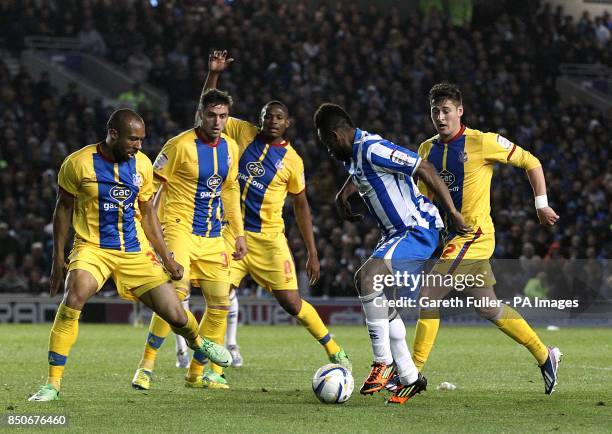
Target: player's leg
436,288
180,244
428,323
238,271
182,353
159,330
164,301
306,315
212,327
271,265
511,323
406,259
375,308
231,335
80,286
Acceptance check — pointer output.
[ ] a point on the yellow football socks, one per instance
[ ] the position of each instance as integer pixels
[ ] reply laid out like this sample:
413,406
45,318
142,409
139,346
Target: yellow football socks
425,336
213,324
514,325
309,318
158,331
190,331
63,335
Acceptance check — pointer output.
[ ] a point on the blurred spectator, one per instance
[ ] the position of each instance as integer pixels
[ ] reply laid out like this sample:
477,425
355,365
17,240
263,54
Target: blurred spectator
134,98
12,282
9,246
91,40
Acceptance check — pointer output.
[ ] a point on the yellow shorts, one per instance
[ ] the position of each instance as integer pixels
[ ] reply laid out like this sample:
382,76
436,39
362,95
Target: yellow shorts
133,273
202,258
269,261
469,256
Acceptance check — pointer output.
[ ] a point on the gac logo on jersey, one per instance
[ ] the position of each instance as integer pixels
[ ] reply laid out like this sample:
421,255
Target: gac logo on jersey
447,177
214,182
255,169
120,193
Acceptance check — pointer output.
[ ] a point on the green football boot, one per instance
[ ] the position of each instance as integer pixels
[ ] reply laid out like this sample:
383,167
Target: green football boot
342,359
46,393
216,353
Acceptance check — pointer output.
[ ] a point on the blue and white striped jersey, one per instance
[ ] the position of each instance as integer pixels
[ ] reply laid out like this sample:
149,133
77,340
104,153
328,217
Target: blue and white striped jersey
382,172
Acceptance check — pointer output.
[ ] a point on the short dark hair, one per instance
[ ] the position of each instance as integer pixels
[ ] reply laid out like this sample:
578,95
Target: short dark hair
278,103
120,118
215,97
441,91
329,117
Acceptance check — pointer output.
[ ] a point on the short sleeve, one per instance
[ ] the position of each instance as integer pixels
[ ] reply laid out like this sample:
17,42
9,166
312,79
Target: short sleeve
297,179
67,178
423,153
391,158
242,132
145,170
497,149
167,161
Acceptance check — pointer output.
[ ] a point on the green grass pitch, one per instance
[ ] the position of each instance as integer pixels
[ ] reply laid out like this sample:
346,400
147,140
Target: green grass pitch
499,387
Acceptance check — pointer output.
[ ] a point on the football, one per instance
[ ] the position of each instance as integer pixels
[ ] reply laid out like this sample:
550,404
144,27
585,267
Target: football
332,384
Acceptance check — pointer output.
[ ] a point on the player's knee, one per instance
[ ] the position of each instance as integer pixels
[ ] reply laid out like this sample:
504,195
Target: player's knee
176,316
75,299
292,307
489,313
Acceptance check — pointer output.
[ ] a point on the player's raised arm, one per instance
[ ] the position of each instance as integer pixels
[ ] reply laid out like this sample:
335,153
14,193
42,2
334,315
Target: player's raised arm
62,217
342,201
217,62
497,148
429,176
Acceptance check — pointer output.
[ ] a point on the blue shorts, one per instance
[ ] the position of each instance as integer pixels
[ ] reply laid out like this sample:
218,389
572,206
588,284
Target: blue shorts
407,253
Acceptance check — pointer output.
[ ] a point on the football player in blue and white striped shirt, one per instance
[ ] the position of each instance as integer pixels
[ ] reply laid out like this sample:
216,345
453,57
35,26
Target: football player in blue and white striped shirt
383,173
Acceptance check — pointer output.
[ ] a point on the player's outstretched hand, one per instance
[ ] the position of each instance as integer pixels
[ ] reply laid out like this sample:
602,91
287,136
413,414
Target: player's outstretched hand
547,216
458,224
344,209
218,61
241,249
313,269
58,276
174,268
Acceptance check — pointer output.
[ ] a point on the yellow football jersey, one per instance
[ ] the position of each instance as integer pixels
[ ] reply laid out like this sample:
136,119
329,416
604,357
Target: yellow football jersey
266,173
201,183
465,163
105,208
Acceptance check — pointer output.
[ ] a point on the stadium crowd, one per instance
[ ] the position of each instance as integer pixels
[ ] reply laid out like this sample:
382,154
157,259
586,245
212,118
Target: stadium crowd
378,63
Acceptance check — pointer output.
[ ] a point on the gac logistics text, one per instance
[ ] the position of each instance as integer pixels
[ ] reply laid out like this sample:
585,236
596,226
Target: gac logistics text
475,302
413,281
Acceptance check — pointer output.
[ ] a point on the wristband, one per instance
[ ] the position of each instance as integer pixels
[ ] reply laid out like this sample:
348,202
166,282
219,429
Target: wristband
541,201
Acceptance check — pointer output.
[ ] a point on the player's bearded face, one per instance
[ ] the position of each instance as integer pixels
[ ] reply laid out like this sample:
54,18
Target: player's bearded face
128,141
212,120
446,117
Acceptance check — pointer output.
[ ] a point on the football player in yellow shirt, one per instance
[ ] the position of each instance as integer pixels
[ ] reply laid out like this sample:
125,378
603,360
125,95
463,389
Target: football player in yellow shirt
270,168
196,174
465,159
106,191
